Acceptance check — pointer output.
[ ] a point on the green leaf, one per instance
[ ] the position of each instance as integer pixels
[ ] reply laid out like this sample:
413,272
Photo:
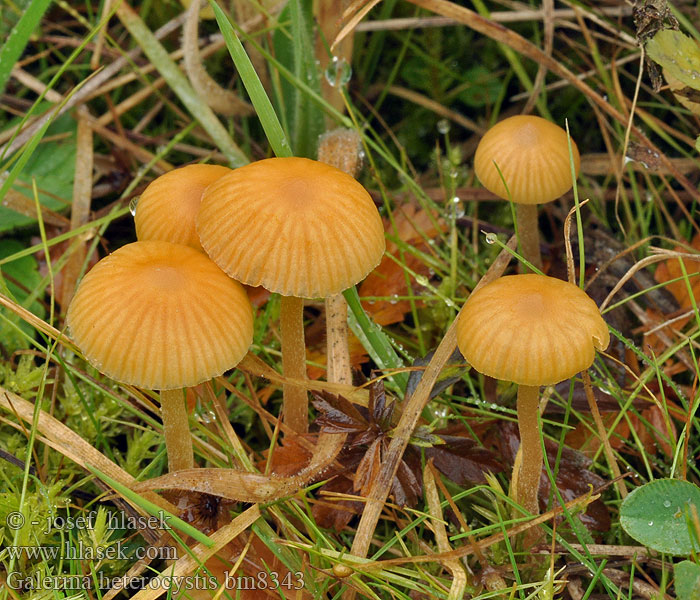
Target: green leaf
687,580
52,164
17,41
483,87
659,515
678,54
25,272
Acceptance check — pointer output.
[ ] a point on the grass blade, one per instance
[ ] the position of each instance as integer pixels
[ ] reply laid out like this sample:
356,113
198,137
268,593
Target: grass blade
17,40
263,107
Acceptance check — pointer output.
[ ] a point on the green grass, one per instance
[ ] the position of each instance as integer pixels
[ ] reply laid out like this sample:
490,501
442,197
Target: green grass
404,84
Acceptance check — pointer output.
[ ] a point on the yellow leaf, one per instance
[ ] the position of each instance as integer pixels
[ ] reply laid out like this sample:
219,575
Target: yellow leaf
678,54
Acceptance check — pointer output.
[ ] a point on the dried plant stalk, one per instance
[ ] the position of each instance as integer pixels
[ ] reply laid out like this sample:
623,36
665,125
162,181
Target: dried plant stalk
222,101
409,418
340,148
80,211
459,576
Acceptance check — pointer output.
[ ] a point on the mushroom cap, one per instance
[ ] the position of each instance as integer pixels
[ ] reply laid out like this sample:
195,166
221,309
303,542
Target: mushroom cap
160,316
296,226
168,206
531,329
533,156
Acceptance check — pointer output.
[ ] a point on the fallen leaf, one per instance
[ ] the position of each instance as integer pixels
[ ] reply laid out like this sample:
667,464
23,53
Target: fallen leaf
461,459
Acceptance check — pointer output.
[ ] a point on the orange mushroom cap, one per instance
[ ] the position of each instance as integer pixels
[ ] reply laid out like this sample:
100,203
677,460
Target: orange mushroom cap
533,157
296,226
168,206
531,329
160,316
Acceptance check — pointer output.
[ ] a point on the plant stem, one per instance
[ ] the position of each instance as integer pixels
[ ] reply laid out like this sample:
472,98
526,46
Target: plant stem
295,402
337,352
529,233
531,463
603,434
178,439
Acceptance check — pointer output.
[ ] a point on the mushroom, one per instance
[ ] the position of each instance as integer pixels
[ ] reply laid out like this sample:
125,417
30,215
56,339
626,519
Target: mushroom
167,207
297,227
532,330
161,316
532,155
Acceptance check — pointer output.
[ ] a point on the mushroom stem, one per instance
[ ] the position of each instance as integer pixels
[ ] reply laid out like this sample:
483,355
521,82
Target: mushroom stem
178,440
531,449
529,233
338,353
295,401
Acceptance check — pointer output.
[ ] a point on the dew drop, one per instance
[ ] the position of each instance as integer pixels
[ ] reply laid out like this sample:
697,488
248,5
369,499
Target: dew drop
667,503
650,523
132,205
203,414
491,238
443,126
422,280
338,72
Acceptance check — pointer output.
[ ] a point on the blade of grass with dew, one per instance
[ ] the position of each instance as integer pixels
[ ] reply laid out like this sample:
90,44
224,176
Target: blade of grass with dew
263,107
177,81
374,339
579,223
294,48
17,40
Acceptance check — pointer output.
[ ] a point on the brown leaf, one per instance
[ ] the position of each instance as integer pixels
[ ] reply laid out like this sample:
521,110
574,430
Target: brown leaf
671,269
337,414
289,458
368,469
408,483
461,459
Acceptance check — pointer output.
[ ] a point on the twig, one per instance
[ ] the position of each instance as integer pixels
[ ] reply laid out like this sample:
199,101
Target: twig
409,418
511,16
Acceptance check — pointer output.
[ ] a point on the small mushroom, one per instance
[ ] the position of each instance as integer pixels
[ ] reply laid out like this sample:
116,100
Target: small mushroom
297,227
532,330
161,316
168,206
532,155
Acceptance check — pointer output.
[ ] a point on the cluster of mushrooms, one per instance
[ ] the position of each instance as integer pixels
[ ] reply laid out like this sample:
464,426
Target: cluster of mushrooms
168,312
